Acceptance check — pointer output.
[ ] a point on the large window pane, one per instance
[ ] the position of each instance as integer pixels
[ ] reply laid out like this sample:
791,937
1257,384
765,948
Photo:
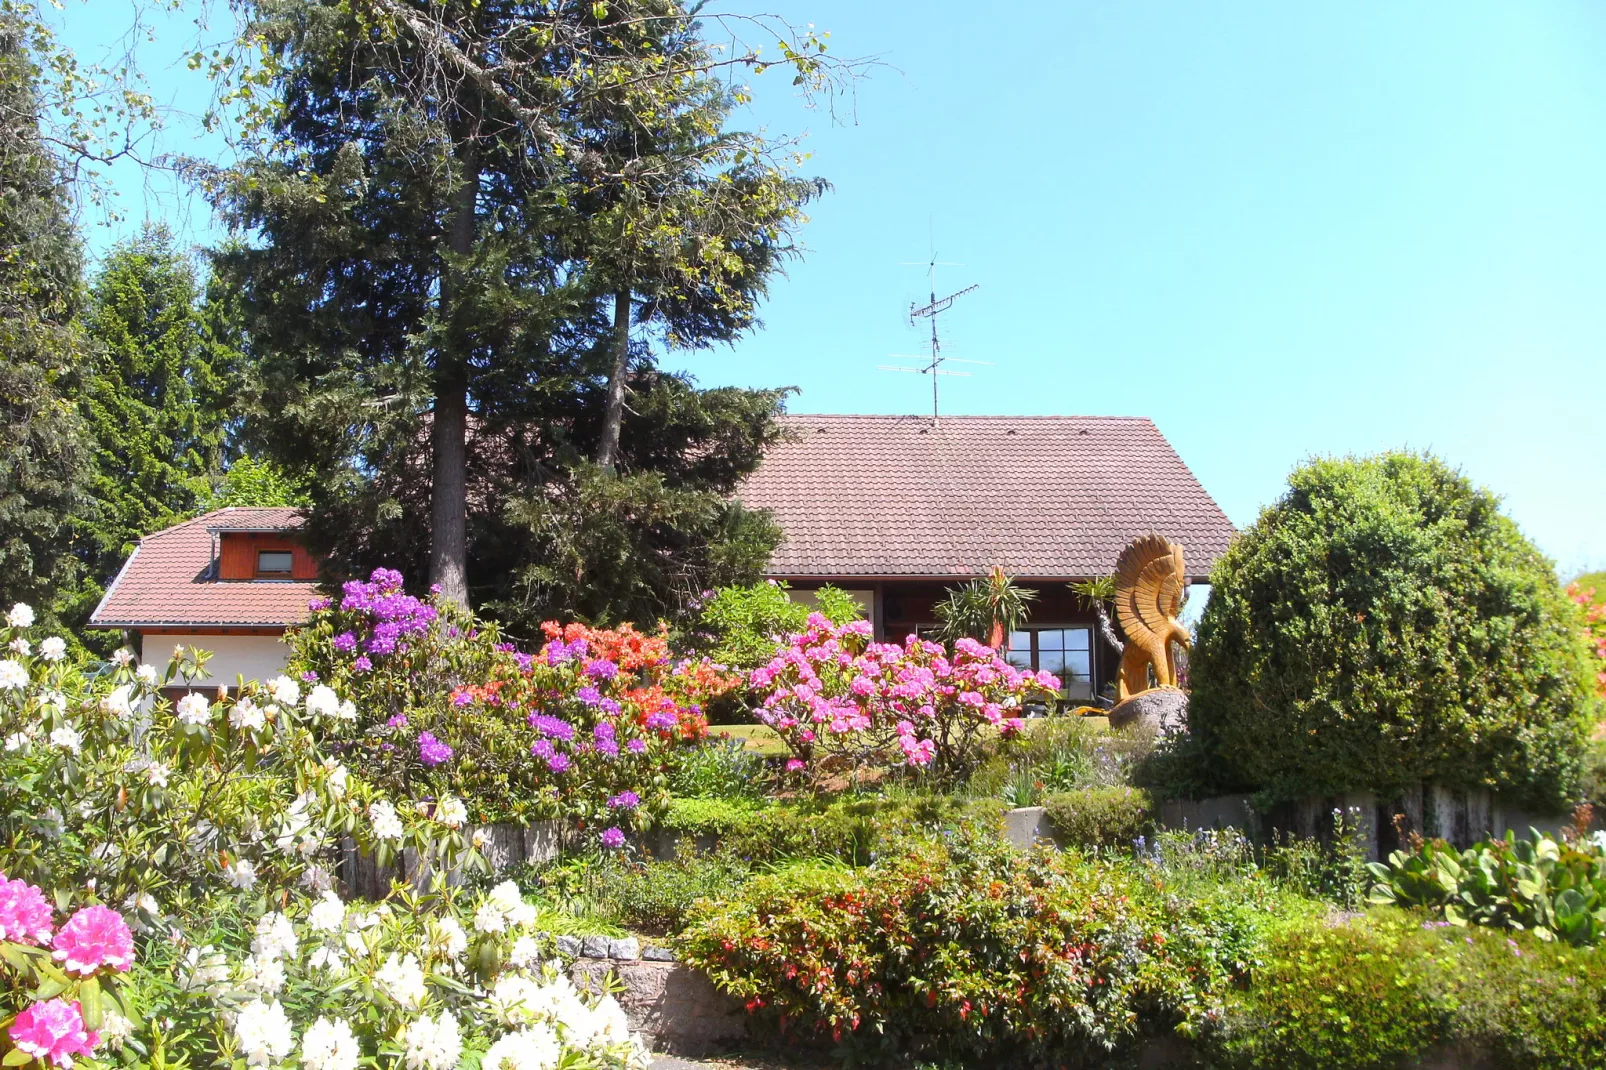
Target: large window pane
1052,660
1078,638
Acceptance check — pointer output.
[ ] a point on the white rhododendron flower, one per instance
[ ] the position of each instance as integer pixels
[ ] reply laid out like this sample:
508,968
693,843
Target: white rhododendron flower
119,702
193,709
263,1033
13,677
329,1045
525,953
246,716
285,690
54,699
67,738
347,711
147,675
516,1000
114,1029
337,777
54,649
204,968
387,824
489,918
316,879
17,741
451,812
328,914
449,936
433,1043
327,958
506,896
322,702
264,974
21,647
275,936
533,1048
242,874
21,616
122,657
402,980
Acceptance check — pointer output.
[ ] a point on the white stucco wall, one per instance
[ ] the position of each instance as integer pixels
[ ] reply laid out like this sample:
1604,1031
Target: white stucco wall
255,657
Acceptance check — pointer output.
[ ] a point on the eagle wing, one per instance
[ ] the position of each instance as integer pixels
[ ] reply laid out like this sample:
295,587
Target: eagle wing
1148,584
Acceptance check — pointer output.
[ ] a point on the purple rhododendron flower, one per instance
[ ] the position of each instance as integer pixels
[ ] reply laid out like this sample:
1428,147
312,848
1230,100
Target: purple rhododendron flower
318,605
543,748
362,664
625,800
524,660
603,730
601,669
462,698
558,762
589,695
554,727
660,720
609,706
613,838
505,648
397,720
636,746
309,677
345,642
607,748
431,751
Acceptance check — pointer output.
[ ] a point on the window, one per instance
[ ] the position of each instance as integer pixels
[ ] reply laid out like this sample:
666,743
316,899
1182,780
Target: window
1065,652
274,564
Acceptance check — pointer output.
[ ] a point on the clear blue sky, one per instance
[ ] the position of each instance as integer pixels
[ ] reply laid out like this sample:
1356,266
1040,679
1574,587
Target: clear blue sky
1277,229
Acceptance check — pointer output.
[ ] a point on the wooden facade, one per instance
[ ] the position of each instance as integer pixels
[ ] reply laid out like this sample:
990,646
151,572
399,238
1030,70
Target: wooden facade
239,553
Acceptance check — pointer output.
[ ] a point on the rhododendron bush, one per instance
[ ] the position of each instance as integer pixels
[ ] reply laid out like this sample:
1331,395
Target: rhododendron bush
581,728
844,703
162,804
1593,603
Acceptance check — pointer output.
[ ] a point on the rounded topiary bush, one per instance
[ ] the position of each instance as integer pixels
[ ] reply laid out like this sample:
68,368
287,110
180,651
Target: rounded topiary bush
1383,624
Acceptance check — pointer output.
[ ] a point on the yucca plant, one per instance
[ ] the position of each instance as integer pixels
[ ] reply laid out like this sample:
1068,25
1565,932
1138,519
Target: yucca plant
986,610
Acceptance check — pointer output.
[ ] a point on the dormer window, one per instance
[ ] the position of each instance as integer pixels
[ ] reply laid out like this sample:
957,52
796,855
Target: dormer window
274,564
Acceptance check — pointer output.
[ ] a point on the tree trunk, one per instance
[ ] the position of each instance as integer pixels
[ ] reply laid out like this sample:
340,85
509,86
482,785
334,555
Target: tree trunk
448,551
608,448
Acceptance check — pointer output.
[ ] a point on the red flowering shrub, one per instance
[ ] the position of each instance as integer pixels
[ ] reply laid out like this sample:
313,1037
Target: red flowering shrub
841,701
1595,624
963,949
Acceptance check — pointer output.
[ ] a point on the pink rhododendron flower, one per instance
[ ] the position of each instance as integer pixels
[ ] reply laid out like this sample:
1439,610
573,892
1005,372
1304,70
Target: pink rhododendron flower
25,916
795,765
54,1030
96,936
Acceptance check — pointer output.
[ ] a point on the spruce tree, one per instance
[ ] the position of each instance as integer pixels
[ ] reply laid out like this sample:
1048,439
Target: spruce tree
43,460
155,400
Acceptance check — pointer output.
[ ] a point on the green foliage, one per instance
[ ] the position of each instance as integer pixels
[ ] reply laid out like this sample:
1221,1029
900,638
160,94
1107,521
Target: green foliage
718,769
742,626
1556,890
1384,990
985,610
1062,753
44,458
707,817
1384,624
645,895
256,483
1101,817
961,948
853,830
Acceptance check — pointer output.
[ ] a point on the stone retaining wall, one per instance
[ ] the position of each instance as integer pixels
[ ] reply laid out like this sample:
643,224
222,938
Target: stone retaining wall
674,1007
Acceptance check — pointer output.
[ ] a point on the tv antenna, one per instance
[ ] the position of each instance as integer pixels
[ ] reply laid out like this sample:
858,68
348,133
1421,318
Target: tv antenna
935,359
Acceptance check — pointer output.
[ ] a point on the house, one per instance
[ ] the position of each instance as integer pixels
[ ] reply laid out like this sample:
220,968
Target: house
898,509
230,581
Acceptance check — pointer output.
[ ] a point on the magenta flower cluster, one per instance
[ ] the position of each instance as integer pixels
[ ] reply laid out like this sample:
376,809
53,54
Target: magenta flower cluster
833,691
93,940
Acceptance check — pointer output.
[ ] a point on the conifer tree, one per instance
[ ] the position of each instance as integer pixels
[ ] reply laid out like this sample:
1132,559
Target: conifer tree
43,460
433,302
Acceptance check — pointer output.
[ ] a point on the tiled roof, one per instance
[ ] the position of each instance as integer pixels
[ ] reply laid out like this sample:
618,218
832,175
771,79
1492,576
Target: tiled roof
1047,497
167,580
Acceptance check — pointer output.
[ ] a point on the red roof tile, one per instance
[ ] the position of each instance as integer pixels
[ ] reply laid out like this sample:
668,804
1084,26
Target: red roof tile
1045,497
167,580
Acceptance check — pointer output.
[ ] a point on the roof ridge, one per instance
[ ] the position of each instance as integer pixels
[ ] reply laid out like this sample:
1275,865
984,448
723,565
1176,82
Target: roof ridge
967,416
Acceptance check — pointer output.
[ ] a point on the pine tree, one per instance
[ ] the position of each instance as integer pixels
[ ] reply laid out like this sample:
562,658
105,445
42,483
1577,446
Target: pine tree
432,305
43,459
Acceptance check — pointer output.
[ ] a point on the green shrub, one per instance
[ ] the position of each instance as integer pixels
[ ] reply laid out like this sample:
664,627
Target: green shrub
1383,624
1386,989
1101,817
853,829
717,769
740,627
1556,890
708,817
958,947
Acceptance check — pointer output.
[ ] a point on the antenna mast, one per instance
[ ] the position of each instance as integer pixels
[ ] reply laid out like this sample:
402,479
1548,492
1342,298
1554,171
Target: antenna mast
931,311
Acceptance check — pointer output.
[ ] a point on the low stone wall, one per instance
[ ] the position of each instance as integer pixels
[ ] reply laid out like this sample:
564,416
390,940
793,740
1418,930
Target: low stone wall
674,1007
503,845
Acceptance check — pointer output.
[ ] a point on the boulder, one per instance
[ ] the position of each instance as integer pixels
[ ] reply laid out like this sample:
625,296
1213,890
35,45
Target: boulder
1165,708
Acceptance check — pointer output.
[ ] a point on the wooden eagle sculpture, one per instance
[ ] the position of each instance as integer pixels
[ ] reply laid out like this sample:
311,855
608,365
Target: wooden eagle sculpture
1149,580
